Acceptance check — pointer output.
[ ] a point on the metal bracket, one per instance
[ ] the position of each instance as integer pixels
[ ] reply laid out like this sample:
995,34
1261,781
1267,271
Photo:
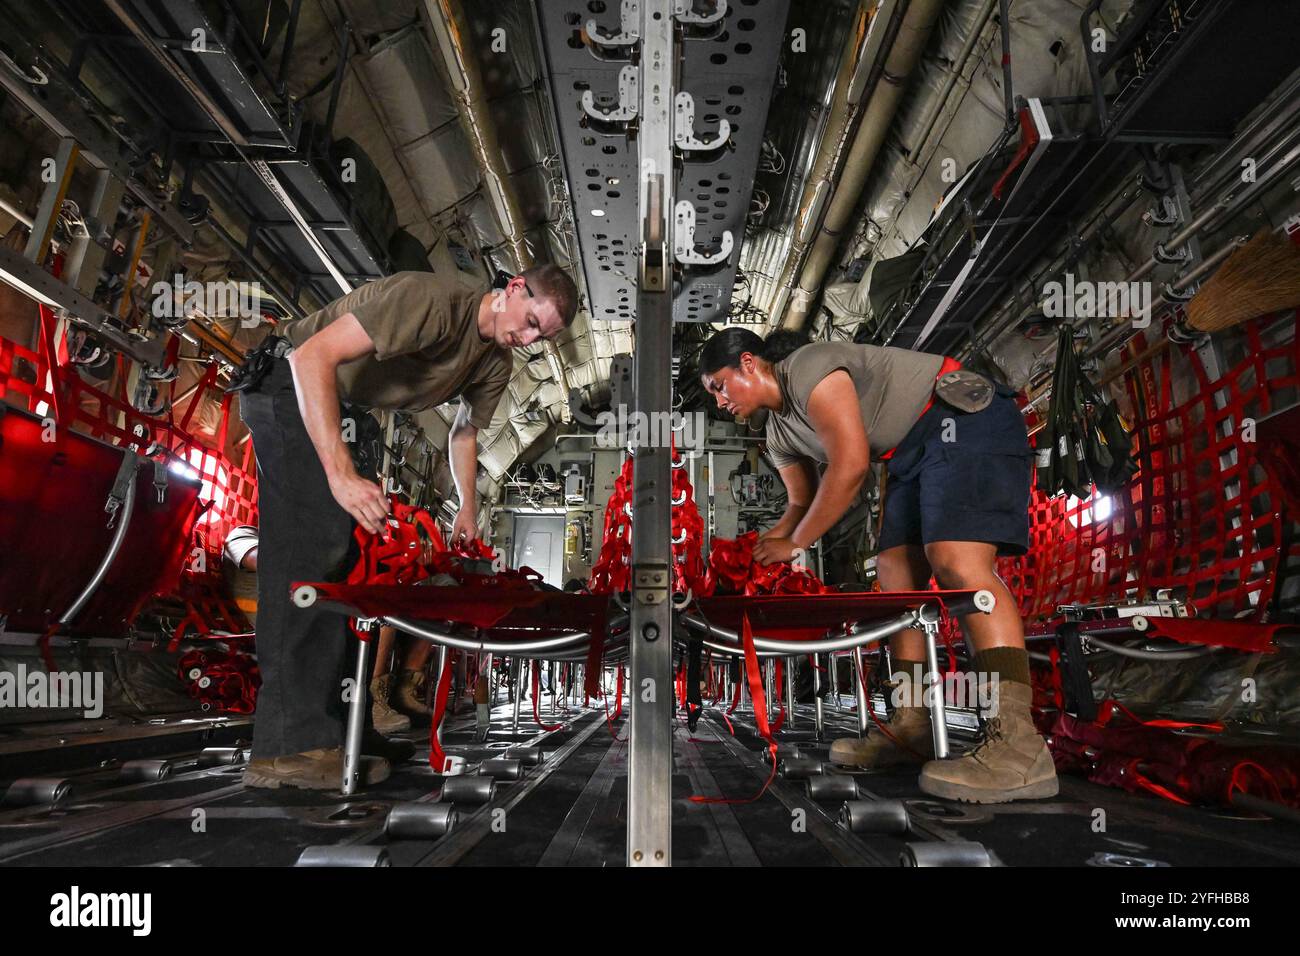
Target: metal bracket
141,400
654,265
629,92
629,14
650,584
1164,214
684,127
684,12
1161,254
684,239
123,486
160,479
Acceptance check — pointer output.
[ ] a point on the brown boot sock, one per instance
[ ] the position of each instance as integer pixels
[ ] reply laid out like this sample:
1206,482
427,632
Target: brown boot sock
1009,663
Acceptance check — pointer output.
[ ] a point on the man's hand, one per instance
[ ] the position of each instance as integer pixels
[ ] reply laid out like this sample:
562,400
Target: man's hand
775,550
362,499
465,528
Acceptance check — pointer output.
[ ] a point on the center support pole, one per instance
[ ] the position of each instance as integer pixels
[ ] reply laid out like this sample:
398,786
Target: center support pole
650,750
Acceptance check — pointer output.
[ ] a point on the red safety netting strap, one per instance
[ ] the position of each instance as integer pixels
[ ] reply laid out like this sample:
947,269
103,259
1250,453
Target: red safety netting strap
757,697
537,686
437,758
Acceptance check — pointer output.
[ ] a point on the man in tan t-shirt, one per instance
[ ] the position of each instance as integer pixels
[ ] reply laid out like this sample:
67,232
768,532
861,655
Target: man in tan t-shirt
408,342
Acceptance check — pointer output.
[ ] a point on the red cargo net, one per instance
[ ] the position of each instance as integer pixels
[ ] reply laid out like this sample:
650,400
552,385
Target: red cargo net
1203,516
42,382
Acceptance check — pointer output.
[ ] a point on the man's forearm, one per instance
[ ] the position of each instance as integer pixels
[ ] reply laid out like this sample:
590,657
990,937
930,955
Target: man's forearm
463,446
836,492
318,402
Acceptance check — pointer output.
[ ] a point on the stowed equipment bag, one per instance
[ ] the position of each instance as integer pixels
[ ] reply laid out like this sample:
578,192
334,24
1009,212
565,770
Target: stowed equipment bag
1084,443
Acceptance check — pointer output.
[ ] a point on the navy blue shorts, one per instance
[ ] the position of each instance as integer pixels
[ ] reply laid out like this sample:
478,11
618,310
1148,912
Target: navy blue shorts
961,477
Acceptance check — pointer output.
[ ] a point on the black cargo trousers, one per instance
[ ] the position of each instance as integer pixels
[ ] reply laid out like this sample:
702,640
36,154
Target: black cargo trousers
304,535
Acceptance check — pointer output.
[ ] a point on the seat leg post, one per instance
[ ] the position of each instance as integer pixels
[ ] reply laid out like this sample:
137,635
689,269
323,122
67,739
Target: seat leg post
356,722
860,679
819,714
789,691
517,669
934,688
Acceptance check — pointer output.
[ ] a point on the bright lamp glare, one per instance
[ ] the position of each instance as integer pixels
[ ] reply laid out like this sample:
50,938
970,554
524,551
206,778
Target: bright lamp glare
1096,508
184,470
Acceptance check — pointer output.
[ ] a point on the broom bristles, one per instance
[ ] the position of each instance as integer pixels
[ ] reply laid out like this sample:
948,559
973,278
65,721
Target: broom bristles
1262,276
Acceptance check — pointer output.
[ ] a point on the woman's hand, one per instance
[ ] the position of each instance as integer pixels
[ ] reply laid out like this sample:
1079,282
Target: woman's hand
362,499
775,550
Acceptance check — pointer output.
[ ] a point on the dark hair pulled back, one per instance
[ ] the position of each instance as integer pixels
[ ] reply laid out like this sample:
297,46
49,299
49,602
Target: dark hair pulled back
723,350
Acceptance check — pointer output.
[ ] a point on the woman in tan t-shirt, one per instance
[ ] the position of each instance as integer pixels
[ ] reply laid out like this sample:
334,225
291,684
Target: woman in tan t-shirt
957,497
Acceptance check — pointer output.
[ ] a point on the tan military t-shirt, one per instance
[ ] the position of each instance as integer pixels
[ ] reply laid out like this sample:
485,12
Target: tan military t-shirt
893,387
427,346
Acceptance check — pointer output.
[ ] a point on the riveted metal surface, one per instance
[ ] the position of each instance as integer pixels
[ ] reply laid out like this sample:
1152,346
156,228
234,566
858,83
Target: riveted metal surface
729,70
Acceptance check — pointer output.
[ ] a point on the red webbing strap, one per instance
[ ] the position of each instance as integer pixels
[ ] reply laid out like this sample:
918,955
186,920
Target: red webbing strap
778,682
1146,783
1244,636
618,693
755,678
609,719
735,698
200,390
1028,140
1235,784
438,759
1058,694
1107,708
537,684
50,352
44,645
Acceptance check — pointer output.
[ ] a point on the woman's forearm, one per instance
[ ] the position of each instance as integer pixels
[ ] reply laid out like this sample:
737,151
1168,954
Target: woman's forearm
839,486
787,523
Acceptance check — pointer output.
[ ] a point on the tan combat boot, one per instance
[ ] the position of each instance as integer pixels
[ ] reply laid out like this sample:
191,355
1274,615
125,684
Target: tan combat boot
386,720
909,726
1011,763
409,699
312,770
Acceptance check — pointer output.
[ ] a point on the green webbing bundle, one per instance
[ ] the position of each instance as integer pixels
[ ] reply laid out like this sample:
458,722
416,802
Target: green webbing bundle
1084,442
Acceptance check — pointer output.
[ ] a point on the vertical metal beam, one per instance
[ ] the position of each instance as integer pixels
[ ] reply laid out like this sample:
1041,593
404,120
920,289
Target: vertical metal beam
86,256
47,212
650,750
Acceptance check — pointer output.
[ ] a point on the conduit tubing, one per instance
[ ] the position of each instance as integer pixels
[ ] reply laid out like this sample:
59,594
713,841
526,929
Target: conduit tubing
904,55
129,465
513,648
